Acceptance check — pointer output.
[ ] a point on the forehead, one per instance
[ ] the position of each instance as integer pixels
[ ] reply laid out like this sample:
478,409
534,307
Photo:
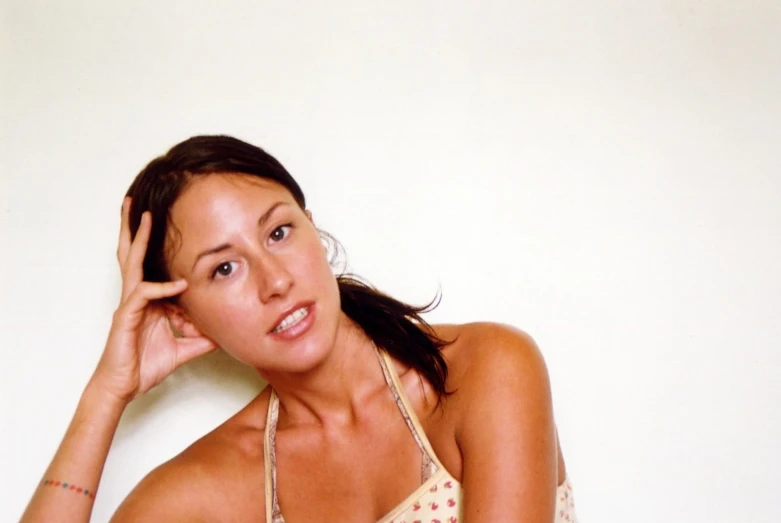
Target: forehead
216,194
215,206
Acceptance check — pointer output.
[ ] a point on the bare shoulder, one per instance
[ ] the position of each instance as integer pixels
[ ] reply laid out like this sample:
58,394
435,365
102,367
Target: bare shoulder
502,422
485,352
493,367
209,478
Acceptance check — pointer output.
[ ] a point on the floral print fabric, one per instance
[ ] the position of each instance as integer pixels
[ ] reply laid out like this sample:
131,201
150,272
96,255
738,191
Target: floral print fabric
438,503
442,503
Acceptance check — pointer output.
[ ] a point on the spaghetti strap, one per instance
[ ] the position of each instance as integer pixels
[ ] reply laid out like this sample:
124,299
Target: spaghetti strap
429,463
273,513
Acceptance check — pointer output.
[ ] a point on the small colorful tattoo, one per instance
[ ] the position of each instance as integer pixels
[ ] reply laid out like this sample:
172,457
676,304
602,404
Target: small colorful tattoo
69,486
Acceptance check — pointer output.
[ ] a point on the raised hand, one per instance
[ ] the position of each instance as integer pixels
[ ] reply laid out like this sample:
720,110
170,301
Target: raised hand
142,348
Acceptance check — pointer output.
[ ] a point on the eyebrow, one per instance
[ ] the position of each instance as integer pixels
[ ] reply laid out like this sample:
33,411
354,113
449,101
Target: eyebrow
225,246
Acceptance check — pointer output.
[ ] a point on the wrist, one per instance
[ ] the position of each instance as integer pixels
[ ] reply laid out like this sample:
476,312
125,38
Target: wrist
97,396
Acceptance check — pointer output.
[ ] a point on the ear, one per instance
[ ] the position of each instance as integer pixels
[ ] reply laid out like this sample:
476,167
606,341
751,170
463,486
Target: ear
180,322
309,215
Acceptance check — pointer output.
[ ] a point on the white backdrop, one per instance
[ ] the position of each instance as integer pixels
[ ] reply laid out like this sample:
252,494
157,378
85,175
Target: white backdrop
605,175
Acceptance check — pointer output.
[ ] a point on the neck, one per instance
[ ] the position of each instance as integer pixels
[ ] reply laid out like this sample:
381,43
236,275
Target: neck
334,392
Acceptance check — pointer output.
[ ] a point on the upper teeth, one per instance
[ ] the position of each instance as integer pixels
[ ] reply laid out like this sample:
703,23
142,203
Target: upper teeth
292,318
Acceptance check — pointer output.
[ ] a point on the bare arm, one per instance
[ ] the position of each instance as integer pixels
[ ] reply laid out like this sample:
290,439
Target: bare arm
506,432
67,490
140,352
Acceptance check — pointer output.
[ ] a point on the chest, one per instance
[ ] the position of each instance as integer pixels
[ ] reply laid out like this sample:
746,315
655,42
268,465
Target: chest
371,473
357,476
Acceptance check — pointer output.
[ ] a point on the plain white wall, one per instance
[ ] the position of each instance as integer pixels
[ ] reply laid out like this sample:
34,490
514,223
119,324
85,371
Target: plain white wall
605,175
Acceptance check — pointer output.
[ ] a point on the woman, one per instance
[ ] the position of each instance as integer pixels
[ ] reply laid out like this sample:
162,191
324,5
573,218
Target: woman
370,414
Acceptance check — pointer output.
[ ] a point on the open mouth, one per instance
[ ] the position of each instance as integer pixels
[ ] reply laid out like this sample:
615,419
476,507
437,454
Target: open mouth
291,319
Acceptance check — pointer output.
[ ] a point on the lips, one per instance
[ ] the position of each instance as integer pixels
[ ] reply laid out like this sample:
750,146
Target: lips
288,312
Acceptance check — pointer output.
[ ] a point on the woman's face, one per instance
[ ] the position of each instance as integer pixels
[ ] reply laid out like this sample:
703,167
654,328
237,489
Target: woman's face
259,282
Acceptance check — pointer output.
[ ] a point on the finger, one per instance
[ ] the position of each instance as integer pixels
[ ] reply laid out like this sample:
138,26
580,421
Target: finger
188,330
133,271
151,291
146,292
124,232
131,311
190,348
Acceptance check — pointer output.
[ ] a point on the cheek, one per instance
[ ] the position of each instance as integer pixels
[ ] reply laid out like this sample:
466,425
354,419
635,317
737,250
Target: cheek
310,265
224,318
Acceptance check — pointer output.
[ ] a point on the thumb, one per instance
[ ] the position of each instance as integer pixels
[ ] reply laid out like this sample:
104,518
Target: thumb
190,348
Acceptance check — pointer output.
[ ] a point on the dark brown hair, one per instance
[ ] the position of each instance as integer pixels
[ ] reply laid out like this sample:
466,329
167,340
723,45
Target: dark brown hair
392,325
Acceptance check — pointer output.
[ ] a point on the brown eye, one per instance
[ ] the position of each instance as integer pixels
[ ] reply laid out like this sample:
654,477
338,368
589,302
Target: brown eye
223,269
279,234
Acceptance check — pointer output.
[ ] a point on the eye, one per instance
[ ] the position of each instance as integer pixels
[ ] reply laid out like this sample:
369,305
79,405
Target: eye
280,233
223,270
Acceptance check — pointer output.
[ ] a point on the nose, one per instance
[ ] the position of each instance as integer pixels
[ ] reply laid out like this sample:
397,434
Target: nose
273,278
